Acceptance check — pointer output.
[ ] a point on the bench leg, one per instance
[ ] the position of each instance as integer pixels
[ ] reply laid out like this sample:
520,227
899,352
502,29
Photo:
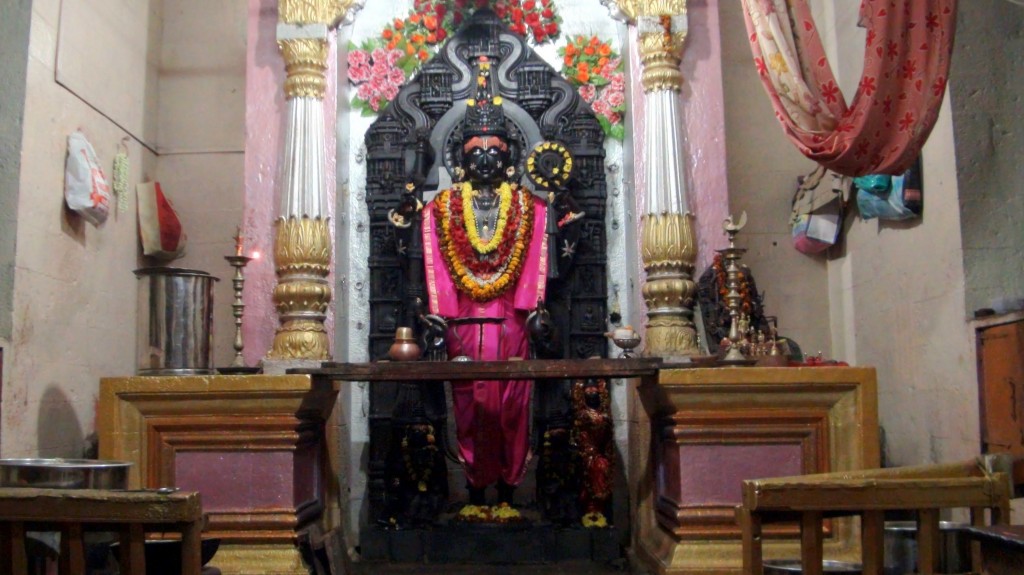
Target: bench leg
133,551
872,542
191,549
753,557
811,541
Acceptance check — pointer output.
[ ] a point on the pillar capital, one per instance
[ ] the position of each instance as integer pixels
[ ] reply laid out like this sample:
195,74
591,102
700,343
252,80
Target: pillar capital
630,11
305,63
329,12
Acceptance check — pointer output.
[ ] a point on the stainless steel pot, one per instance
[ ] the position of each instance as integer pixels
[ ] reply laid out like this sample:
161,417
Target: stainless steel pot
175,321
901,547
64,473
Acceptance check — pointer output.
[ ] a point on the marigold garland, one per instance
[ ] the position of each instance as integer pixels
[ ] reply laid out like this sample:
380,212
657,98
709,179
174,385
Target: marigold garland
484,277
504,202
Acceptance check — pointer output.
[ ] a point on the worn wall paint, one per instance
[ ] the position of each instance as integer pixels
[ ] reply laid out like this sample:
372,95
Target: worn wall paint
264,118
989,131
703,112
201,140
15,18
74,293
763,166
897,300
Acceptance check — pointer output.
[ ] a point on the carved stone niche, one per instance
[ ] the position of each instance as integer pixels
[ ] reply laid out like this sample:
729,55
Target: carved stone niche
416,131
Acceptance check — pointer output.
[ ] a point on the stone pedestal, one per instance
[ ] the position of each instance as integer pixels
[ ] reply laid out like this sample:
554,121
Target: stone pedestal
253,446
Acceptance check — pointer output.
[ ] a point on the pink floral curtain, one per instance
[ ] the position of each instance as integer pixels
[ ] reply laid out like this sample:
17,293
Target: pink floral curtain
906,62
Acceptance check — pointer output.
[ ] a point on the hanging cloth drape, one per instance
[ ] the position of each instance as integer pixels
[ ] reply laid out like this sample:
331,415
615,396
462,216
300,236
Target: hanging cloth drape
906,62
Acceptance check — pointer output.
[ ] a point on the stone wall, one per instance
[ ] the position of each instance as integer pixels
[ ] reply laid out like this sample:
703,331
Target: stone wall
989,131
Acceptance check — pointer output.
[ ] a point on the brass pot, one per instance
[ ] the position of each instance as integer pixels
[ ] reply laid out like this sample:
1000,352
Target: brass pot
405,347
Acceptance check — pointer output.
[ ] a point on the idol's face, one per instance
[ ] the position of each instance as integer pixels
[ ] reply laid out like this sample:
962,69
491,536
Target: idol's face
485,158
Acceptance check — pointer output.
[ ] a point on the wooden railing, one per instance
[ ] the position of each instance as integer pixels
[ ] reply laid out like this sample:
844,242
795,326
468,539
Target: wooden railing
810,499
73,511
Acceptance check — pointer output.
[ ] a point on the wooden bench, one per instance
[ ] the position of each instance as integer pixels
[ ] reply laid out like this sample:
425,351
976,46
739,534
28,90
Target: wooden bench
810,499
74,511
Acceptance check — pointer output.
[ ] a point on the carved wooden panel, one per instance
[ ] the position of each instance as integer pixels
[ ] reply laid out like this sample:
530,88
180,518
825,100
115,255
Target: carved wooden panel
705,455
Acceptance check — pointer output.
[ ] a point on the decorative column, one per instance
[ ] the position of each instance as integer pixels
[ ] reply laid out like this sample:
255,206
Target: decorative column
668,245
302,241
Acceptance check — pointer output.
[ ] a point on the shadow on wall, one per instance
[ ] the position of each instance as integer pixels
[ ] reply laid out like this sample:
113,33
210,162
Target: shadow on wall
58,431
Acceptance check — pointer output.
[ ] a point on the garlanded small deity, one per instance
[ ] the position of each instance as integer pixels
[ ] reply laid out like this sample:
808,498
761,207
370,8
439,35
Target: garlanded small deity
595,442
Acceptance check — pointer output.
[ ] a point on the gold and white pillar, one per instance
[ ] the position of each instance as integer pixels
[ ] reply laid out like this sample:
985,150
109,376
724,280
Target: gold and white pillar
668,245
302,240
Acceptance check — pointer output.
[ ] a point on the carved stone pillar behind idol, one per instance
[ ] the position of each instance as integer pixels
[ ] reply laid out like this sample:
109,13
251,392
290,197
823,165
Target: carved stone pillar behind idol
667,241
302,242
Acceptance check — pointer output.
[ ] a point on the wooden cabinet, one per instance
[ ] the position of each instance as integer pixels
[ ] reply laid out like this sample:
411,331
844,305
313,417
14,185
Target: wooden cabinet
1000,344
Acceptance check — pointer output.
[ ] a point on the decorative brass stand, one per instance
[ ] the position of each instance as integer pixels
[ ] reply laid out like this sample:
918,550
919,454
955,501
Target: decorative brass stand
733,298
238,308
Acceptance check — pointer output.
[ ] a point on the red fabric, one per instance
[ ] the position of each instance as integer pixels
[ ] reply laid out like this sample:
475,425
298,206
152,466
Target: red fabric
170,225
906,63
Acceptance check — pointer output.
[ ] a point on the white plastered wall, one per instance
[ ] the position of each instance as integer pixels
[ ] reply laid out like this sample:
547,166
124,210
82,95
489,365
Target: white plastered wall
896,294
74,296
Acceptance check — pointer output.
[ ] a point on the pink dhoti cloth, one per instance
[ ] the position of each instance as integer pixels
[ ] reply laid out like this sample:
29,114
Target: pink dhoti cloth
492,418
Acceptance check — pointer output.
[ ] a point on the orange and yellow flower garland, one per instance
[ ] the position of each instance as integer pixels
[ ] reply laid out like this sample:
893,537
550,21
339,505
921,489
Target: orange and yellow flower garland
504,202
481,276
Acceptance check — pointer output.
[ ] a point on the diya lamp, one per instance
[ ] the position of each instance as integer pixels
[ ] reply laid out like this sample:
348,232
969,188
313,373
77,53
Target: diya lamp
238,261
734,301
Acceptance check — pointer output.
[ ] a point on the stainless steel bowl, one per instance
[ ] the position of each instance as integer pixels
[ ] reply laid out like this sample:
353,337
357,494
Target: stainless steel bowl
792,566
64,473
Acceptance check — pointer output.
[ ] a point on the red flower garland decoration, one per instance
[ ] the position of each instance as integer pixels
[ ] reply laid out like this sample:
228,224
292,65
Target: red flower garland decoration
484,277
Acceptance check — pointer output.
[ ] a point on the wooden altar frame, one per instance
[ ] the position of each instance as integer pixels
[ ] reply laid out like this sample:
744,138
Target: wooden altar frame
840,402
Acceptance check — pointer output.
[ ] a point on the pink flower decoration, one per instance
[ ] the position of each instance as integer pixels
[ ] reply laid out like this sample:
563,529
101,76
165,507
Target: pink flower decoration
588,92
358,74
614,98
396,77
394,56
601,107
357,58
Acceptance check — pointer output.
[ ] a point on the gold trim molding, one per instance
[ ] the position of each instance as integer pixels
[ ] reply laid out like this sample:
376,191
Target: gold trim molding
302,254
330,12
634,9
668,248
661,53
305,62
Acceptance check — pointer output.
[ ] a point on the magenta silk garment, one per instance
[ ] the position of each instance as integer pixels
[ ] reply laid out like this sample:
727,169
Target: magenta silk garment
906,64
492,418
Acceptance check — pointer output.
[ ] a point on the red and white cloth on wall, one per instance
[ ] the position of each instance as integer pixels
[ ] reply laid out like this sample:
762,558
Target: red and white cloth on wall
906,64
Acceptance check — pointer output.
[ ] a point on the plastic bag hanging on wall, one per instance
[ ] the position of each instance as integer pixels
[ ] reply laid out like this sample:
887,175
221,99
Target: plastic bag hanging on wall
86,189
891,197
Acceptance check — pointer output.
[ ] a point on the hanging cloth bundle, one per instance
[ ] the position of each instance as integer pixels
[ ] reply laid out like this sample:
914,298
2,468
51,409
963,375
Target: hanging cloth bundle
818,210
